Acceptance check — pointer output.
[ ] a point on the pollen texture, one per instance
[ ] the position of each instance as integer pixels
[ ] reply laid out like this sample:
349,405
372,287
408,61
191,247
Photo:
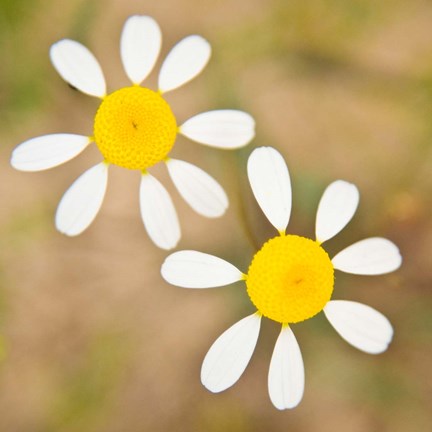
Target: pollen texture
290,279
134,128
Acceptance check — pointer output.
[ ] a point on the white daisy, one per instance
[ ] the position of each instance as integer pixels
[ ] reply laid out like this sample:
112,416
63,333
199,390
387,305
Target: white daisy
290,279
135,128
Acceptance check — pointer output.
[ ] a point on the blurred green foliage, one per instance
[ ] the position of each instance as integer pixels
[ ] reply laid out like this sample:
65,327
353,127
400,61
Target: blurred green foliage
90,387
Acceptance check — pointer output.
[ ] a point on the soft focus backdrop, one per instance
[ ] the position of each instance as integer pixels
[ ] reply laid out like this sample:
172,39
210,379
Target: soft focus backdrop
93,340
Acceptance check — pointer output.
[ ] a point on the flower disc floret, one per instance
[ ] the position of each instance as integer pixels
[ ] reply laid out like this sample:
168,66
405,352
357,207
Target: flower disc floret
290,279
134,128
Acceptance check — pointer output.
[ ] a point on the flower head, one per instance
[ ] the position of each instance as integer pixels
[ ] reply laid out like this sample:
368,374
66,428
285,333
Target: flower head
135,128
290,279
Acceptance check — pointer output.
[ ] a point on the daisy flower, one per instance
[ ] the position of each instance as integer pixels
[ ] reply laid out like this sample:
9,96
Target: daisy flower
135,128
289,280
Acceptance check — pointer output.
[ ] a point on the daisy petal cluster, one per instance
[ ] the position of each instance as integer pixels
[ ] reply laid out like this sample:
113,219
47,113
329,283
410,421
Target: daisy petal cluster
289,280
135,128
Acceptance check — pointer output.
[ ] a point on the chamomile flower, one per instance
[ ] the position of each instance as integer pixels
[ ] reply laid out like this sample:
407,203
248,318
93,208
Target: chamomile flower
135,128
289,280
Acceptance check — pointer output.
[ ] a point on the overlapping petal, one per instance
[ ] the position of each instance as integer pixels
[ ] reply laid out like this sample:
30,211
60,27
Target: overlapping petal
82,201
192,269
360,325
48,151
336,208
184,62
371,256
140,45
230,354
286,374
270,182
78,67
228,129
158,213
201,191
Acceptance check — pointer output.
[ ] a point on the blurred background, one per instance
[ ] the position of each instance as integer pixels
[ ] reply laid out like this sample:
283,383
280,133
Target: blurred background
93,340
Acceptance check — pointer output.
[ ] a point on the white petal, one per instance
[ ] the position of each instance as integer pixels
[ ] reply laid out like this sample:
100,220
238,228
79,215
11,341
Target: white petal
336,208
270,183
227,129
78,67
372,256
48,151
185,61
229,356
202,192
158,213
82,201
286,375
361,326
140,45
192,269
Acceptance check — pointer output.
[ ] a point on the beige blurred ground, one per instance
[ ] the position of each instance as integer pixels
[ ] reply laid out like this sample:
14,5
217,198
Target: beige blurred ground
94,341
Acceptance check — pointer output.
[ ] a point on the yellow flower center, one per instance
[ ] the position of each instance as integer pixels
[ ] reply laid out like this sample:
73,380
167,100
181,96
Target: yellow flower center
290,279
134,128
